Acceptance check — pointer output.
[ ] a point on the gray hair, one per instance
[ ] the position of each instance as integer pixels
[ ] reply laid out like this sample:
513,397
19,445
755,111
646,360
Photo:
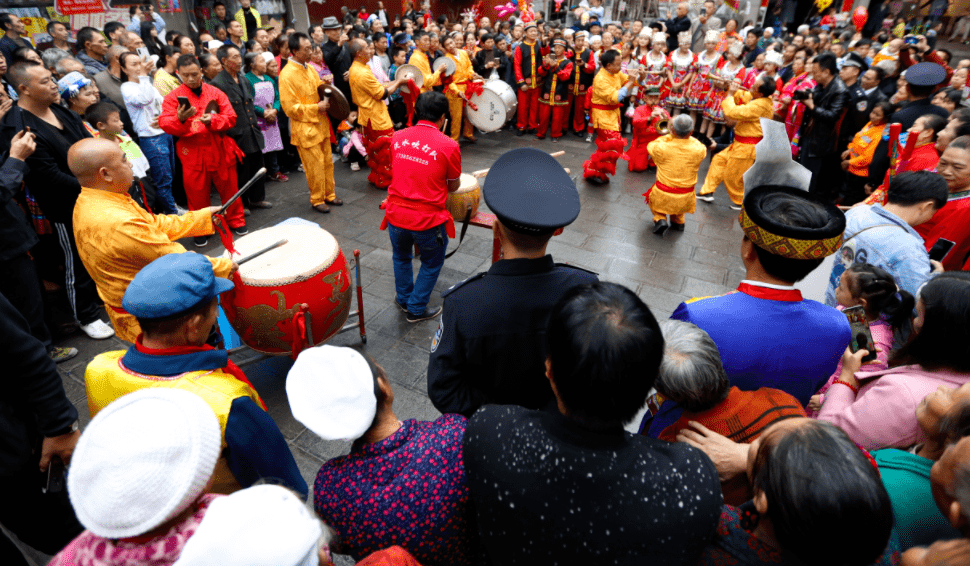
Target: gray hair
59,69
691,373
51,57
682,125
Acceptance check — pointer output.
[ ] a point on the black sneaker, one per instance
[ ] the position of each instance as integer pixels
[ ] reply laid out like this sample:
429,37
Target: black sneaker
520,133
404,308
660,226
241,231
201,241
428,314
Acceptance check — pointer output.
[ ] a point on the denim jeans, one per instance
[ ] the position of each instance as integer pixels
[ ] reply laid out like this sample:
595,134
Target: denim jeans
160,151
411,291
271,162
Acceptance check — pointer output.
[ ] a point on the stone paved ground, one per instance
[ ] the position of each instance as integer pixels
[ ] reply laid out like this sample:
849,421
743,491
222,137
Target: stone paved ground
612,237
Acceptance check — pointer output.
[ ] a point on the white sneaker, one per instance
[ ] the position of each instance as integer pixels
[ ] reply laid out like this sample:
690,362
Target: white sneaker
735,207
706,198
98,330
355,166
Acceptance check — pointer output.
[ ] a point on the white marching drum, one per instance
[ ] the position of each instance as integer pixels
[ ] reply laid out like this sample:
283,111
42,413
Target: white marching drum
496,106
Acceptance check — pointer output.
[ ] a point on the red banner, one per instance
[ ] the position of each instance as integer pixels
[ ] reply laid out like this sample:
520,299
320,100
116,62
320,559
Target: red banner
75,7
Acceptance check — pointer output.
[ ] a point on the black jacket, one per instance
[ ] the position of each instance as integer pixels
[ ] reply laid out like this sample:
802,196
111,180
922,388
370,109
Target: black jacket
489,347
32,399
16,235
675,26
246,132
48,176
820,128
484,56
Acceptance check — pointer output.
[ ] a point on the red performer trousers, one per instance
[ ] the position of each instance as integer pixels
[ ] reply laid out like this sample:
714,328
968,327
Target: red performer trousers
528,109
198,186
609,147
559,116
578,110
378,144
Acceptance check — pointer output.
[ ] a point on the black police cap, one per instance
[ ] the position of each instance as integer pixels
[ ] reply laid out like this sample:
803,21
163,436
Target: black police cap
530,192
925,74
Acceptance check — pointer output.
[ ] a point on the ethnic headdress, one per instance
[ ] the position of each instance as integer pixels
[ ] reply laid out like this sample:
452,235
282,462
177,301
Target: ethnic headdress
759,223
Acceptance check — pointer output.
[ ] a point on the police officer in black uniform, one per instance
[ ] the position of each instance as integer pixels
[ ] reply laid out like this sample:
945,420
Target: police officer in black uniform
857,114
489,347
922,79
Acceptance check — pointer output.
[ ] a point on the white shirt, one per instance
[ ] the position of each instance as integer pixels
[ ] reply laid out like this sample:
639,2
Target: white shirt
144,104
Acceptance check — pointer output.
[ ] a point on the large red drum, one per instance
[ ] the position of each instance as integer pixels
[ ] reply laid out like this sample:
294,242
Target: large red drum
295,295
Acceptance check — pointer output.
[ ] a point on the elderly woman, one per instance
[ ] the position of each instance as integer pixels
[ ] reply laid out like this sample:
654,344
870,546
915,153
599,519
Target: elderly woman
210,66
403,481
924,156
692,386
906,473
878,409
78,93
138,479
266,98
817,500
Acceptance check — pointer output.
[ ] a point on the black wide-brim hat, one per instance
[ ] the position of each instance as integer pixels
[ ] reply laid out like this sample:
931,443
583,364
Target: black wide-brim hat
783,239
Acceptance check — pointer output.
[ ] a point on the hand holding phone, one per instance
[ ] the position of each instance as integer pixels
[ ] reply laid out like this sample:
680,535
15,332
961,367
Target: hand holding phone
861,335
940,249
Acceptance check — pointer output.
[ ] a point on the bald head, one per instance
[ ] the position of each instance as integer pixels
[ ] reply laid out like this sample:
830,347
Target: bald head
100,164
115,51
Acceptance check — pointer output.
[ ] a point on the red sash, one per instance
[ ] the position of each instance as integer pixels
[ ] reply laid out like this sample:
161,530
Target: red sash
595,106
668,189
746,139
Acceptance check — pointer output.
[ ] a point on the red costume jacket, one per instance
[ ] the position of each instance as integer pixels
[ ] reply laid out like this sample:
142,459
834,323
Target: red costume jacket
201,147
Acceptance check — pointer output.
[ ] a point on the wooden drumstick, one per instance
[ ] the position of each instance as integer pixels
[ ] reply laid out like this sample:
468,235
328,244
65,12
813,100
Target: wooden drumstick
254,255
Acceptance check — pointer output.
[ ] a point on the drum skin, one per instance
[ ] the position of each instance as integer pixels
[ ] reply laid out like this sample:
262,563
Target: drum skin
263,315
496,105
469,193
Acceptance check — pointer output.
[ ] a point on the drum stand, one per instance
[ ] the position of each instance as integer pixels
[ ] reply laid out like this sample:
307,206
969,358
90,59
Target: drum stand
359,313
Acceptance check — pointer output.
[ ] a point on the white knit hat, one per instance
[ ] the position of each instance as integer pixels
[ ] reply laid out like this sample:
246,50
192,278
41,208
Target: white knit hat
264,525
331,391
712,36
683,37
143,459
736,49
659,37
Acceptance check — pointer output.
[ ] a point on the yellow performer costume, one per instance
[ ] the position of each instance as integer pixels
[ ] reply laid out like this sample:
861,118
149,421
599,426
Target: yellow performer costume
459,84
372,114
106,379
678,160
731,164
116,238
605,118
431,78
309,128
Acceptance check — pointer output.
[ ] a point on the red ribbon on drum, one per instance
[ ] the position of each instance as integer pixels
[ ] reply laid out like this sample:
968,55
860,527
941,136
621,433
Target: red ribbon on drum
219,222
298,330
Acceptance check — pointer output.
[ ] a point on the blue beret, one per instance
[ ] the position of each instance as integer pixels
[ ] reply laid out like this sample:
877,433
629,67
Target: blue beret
925,74
173,284
530,192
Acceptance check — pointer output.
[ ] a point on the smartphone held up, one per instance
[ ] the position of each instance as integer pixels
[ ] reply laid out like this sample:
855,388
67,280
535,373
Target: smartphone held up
861,335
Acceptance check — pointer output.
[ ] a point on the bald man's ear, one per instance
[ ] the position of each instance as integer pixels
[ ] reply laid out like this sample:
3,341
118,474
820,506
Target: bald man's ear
955,516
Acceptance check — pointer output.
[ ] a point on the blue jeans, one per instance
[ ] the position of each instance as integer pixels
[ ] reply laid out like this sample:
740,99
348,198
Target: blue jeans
160,152
411,291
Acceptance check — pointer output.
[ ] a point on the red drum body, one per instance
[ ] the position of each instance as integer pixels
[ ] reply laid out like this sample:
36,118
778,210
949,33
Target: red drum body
292,297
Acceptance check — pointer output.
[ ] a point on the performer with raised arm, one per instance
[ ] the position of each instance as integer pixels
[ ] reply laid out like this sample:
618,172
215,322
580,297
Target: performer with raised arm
372,114
554,100
610,87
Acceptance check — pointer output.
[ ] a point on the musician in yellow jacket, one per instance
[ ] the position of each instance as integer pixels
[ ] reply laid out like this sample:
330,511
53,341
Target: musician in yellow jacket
731,164
609,89
116,238
372,114
421,58
309,124
678,157
175,301
456,90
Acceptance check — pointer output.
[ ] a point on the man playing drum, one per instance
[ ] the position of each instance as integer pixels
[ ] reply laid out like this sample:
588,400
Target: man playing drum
427,166
309,124
456,91
372,114
489,344
116,238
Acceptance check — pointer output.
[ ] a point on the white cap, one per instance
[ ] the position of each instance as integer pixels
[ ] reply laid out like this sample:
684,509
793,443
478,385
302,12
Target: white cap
683,37
267,56
258,526
143,460
595,38
712,36
214,44
774,57
736,49
770,31
331,391
659,37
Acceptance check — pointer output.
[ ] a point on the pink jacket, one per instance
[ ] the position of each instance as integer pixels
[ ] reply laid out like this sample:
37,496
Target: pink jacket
883,414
